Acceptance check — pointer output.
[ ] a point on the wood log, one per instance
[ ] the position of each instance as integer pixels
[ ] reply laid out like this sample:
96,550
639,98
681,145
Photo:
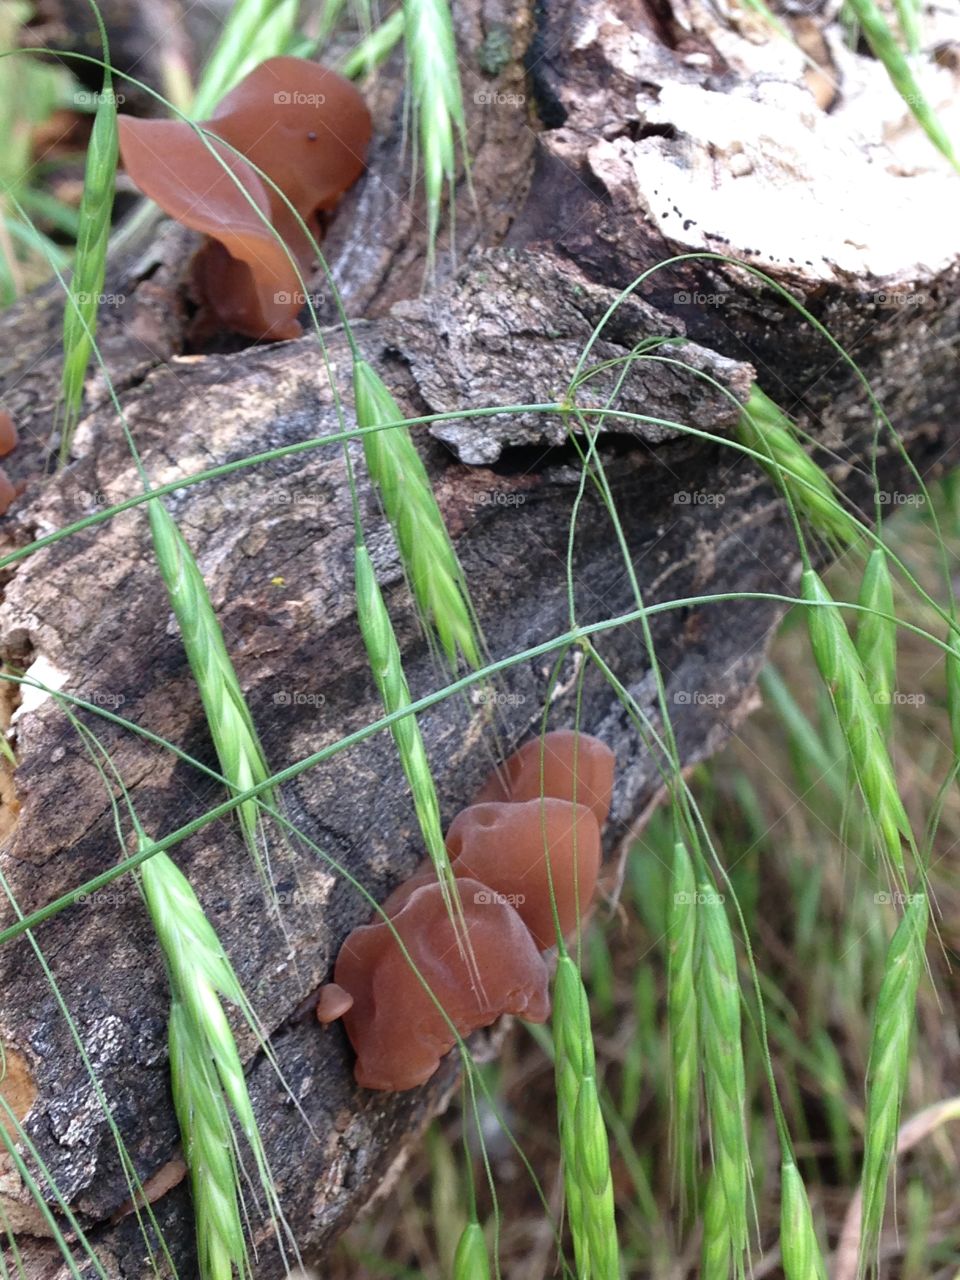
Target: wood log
607,136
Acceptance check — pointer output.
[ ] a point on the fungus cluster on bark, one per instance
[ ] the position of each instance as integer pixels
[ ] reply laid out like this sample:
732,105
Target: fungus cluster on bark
525,857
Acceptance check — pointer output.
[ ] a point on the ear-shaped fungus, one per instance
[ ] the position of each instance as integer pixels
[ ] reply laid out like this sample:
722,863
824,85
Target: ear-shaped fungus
507,852
518,850
8,442
307,129
333,1002
519,777
396,1029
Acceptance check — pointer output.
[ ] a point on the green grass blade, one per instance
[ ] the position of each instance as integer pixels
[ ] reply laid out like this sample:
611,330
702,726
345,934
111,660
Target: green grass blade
254,31
880,38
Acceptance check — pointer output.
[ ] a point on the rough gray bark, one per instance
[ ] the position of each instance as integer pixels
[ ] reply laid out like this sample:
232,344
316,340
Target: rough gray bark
646,132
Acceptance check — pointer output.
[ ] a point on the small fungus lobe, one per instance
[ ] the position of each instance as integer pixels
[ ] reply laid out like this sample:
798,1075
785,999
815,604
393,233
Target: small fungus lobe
9,439
516,850
333,1002
395,1027
520,778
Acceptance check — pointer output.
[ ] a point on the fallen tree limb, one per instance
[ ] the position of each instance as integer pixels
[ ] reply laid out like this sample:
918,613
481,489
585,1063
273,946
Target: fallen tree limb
649,134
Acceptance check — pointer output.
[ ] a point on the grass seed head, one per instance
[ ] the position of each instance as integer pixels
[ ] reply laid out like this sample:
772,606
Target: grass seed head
799,1247
431,563
588,1181
386,665
764,428
682,1021
877,637
434,78
228,717
471,1261
86,286
715,1249
888,1065
839,664
722,1055
883,44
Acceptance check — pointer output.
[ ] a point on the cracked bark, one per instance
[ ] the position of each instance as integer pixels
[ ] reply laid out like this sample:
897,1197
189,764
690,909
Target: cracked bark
647,132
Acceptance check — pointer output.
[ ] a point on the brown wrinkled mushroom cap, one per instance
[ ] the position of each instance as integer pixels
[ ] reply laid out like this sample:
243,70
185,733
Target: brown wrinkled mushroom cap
307,128
519,777
332,1002
398,1033
507,846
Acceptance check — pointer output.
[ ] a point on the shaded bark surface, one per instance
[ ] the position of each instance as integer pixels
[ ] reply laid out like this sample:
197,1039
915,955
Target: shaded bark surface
644,133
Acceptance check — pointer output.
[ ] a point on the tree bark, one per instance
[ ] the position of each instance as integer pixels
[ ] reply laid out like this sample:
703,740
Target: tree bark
607,136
